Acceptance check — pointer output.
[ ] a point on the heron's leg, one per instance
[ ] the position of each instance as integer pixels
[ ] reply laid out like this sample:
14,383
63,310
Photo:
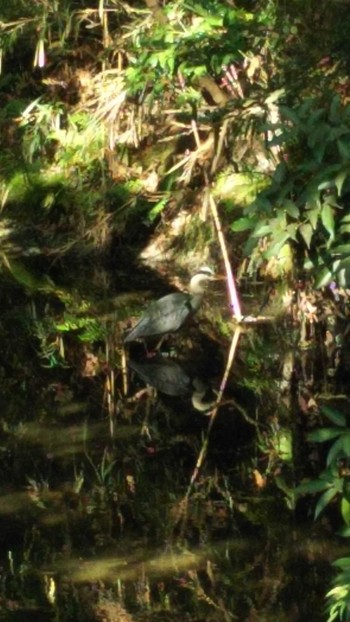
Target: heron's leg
155,350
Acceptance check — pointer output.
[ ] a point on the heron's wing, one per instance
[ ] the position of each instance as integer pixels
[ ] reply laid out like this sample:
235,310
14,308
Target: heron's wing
167,376
163,316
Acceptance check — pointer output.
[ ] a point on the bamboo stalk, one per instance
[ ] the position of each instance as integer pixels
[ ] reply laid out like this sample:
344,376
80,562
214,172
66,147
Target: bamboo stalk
232,289
214,412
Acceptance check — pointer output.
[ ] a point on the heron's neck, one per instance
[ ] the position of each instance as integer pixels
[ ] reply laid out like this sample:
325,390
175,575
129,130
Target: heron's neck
196,300
197,284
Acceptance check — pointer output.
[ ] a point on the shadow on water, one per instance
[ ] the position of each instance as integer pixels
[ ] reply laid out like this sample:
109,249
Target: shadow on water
104,515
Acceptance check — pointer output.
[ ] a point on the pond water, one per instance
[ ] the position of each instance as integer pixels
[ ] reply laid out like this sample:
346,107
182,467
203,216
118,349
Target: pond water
121,501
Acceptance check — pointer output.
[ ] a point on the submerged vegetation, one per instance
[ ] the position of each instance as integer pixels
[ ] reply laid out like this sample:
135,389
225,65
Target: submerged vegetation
139,141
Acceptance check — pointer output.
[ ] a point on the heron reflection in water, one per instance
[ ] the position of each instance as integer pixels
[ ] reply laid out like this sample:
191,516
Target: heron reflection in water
169,378
169,313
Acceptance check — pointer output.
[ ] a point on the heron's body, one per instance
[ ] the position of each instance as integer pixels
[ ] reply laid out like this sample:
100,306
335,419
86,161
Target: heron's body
167,376
169,313
163,374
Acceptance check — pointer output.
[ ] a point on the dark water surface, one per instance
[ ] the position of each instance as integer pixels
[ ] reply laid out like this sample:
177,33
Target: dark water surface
103,516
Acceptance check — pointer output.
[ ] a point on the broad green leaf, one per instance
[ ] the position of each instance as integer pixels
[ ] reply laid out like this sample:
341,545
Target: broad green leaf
276,245
332,201
324,434
314,117
325,499
344,532
261,230
281,220
312,215
28,279
291,209
305,110
315,485
327,217
345,511
343,563
292,230
338,449
280,173
325,185
290,114
339,181
284,445
342,249
346,488
309,167
337,132
333,415
335,610
346,444
319,134
344,148
323,278
318,151
335,110
343,262
242,224
306,232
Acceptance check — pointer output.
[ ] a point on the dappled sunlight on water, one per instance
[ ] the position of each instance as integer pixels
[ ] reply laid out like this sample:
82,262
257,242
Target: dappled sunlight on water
130,567
133,504
68,439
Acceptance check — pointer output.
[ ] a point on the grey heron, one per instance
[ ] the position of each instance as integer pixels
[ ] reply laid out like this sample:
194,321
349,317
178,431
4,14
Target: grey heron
169,313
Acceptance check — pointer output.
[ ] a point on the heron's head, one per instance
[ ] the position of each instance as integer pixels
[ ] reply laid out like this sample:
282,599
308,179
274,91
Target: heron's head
200,279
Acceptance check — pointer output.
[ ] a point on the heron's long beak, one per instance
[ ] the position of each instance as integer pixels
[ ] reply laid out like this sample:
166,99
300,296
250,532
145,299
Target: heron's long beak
219,277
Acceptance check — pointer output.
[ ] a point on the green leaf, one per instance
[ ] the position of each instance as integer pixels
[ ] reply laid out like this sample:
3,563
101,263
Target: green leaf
338,449
322,435
280,173
332,201
325,499
346,488
339,180
312,216
315,485
345,511
344,148
344,532
242,224
157,209
333,415
318,151
325,185
292,230
276,245
318,135
284,445
346,444
342,249
291,209
323,277
335,110
327,217
261,230
314,117
306,232
290,114
343,563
